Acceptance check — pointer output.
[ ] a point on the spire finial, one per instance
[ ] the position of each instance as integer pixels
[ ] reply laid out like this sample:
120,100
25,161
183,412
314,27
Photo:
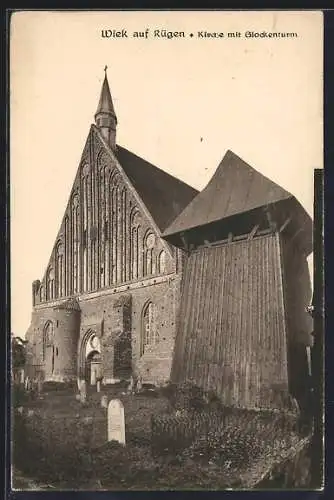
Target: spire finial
105,70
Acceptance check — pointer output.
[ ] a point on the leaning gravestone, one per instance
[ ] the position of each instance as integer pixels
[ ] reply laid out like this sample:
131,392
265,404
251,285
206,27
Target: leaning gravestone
116,421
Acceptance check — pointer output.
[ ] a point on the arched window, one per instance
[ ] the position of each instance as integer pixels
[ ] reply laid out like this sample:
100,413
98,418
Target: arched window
48,334
60,269
149,335
75,242
124,264
67,256
162,262
84,236
50,284
41,293
149,264
134,248
103,227
115,239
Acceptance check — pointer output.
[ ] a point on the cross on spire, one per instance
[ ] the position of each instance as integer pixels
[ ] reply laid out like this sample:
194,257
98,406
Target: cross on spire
105,70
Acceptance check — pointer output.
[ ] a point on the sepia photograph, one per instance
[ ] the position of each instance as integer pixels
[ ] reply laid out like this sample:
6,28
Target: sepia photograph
162,206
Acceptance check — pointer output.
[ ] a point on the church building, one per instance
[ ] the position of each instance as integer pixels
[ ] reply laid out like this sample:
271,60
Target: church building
108,302
149,277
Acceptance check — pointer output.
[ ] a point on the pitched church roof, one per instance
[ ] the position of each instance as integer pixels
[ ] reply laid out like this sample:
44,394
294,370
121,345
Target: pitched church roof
235,188
163,195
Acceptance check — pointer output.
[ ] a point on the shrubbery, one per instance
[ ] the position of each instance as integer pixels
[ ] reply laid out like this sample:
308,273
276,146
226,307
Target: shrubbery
201,428
188,396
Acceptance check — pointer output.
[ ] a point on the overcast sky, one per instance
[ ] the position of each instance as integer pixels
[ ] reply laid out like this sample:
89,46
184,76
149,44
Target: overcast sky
180,102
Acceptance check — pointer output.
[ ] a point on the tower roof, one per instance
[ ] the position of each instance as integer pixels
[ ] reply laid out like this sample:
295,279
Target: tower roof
105,103
235,188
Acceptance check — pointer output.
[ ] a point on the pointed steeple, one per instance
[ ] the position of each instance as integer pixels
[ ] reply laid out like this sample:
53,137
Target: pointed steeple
105,116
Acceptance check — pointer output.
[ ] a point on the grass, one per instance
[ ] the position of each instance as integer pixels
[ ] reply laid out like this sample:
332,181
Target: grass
66,443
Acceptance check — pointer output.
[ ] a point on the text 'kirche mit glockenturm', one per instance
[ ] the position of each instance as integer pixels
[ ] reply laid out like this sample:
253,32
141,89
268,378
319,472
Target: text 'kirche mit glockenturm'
168,35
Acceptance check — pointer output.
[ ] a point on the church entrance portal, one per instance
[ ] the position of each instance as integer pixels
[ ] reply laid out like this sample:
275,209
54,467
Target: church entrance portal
90,362
93,368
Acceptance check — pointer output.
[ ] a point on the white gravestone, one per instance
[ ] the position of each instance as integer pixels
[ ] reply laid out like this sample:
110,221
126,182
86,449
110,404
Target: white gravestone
98,386
116,421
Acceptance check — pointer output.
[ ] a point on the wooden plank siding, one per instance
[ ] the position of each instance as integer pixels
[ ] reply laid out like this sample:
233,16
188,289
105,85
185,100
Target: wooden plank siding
298,295
231,334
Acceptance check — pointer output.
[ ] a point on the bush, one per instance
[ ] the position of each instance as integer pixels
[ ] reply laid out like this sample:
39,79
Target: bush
232,435
18,396
57,448
187,396
59,386
172,433
229,446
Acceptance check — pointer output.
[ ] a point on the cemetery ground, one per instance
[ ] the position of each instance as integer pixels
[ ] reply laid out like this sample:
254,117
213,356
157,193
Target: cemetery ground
61,443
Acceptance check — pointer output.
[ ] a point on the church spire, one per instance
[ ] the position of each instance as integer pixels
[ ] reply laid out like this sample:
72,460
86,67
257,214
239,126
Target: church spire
105,117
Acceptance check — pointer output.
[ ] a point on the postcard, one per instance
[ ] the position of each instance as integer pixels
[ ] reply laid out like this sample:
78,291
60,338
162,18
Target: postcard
162,203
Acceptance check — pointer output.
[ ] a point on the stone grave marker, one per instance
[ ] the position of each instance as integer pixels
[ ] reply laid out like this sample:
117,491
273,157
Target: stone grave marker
39,386
116,421
104,402
139,384
98,386
83,391
131,385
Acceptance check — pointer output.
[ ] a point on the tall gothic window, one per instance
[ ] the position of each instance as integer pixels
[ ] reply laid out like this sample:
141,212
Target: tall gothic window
134,244
119,237
115,241
48,334
124,266
75,242
50,284
150,335
60,269
85,195
162,261
102,221
67,258
149,264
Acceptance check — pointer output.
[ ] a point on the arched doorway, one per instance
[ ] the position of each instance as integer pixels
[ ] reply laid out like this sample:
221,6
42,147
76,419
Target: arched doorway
89,361
93,371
